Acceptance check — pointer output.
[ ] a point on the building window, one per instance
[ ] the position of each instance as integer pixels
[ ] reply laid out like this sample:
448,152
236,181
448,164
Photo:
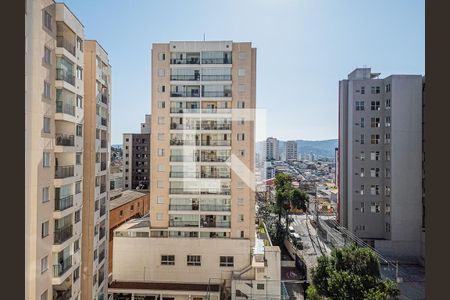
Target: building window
387,190
362,139
374,189
361,191
242,55
242,152
194,260
374,155
78,187
242,234
47,56
359,105
227,261
44,229
76,246
96,205
388,155
161,88
160,168
44,264
362,208
79,130
160,151
161,72
160,184
240,137
160,136
240,201
361,173
361,123
160,120
76,274
241,104
46,159
161,56
77,216
159,216
388,173
387,209
44,295
362,155
388,227
45,194
375,139
240,218
79,101
375,207
47,90
242,88
375,172
387,138
375,105
121,213
160,200
241,72
363,90
79,44
161,104
388,104
374,122
48,20
46,128
78,158
168,260
260,286
388,88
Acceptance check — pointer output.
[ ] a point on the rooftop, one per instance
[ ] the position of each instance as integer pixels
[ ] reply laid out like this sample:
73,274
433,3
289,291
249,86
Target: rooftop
134,224
164,286
125,197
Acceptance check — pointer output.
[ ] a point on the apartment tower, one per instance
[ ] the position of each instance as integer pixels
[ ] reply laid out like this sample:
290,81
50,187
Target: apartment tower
272,149
53,149
291,150
97,137
380,160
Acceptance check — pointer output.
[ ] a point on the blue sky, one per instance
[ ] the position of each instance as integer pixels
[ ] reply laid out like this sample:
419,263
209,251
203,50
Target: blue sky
304,47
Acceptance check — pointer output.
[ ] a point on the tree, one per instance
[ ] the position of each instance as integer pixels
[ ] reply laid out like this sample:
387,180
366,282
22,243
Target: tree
351,273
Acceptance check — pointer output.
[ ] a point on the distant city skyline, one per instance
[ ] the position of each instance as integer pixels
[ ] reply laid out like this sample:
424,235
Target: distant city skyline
300,60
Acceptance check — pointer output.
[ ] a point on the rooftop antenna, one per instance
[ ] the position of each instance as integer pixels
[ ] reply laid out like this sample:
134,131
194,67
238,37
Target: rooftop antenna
204,38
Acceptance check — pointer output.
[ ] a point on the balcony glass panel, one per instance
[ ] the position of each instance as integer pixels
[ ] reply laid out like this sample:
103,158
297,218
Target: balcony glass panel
183,220
65,70
216,57
185,58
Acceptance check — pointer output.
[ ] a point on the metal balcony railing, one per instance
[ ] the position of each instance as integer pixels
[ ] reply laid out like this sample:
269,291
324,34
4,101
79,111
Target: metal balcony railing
62,267
62,74
212,223
224,60
216,93
176,142
64,139
198,175
194,93
200,192
216,143
62,295
64,171
178,110
184,158
66,44
183,207
65,108
63,234
185,77
64,203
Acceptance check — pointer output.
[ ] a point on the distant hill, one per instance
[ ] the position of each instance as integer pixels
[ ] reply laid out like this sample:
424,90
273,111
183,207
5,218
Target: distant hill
320,148
117,146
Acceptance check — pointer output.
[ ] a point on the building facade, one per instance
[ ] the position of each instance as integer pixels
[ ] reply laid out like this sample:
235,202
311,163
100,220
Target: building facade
97,140
136,161
380,160
146,127
291,150
272,149
54,120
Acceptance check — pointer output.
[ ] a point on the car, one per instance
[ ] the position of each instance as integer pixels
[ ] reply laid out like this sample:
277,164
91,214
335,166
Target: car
291,230
296,237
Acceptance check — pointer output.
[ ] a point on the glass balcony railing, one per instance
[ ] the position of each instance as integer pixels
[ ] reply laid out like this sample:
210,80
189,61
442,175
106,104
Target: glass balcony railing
198,175
212,223
214,207
64,171
62,74
216,77
102,210
64,203
102,188
62,267
193,93
63,234
216,143
103,143
183,207
103,166
104,121
223,60
173,223
102,233
179,110
66,44
185,77
184,158
176,142
178,191
62,294
217,94
64,139
188,61
65,108
175,126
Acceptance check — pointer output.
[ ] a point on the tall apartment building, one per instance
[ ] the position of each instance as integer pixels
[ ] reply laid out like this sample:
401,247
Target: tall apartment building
291,150
272,149
201,229
380,160
136,158
54,145
97,144
58,142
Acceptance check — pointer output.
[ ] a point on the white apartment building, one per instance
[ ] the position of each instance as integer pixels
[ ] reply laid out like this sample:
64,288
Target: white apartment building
380,160
146,127
56,147
200,235
291,150
272,149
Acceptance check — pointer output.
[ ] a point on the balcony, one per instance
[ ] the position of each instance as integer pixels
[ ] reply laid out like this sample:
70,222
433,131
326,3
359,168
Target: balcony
178,110
183,206
184,158
103,144
102,210
104,121
102,188
66,44
194,93
62,74
62,267
62,295
176,191
188,61
174,223
65,108
185,77
63,234
101,256
104,99
216,143
64,171
216,93
216,77
64,203
102,233
214,207
103,166
64,139
198,175
176,142
210,222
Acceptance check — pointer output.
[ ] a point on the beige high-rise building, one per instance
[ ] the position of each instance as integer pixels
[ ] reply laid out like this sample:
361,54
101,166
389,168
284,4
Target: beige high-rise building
55,145
380,161
291,150
199,240
97,137
272,149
